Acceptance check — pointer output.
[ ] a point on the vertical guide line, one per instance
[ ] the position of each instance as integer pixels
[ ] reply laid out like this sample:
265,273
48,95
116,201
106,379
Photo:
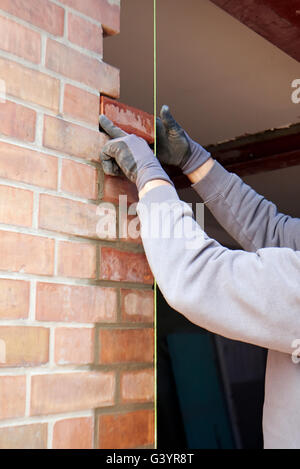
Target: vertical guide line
155,285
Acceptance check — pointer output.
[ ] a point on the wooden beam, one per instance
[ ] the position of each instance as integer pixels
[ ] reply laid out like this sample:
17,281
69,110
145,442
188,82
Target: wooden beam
278,21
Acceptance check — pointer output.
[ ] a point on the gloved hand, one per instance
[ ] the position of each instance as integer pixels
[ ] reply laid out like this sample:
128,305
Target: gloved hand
175,147
131,154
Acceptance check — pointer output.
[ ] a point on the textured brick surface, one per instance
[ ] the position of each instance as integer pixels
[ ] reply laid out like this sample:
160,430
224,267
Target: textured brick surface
137,305
24,437
74,346
27,166
42,13
30,85
17,121
68,216
133,345
19,40
25,345
79,179
130,229
14,299
130,119
77,303
116,186
77,313
125,431
137,386
73,434
85,34
79,67
122,266
12,396
27,254
68,392
15,206
76,259
81,104
103,11
72,139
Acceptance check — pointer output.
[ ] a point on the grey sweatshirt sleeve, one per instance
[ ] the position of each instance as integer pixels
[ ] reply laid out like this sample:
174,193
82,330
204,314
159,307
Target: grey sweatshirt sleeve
248,217
252,297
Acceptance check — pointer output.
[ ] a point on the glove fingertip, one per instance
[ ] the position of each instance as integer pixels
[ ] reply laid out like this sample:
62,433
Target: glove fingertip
165,111
104,121
108,168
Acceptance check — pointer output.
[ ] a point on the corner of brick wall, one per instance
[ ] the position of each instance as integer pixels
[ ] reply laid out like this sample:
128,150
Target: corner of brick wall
76,311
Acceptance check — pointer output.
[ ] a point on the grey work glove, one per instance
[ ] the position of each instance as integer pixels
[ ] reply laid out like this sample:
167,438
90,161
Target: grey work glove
175,147
131,154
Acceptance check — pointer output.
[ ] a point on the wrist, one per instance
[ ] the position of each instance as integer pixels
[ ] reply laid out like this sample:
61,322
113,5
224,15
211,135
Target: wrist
198,156
201,171
152,185
151,171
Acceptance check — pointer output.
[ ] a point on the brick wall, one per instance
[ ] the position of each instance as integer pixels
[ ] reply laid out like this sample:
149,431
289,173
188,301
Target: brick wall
76,311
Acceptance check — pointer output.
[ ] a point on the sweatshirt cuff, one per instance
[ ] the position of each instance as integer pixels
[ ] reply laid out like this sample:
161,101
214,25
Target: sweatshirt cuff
214,183
159,194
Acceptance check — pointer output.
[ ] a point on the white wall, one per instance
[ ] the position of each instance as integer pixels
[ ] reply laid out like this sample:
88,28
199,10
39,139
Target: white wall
220,78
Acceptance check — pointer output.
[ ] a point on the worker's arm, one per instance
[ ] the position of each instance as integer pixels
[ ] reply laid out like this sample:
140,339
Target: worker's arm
249,218
251,297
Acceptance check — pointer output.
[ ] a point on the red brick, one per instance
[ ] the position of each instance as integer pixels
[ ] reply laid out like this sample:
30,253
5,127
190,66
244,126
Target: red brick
30,85
129,228
103,11
81,104
130,119
126,431
137,305
79,179
73,139
31,167
17,121
18,40
14,299
137,386
122,266
42,13
73,434
79,67
116,186
68,216
15,206
26,254
87,304
74,346
12,396
85,34
76,259
120,346
25,345
24,437
67,392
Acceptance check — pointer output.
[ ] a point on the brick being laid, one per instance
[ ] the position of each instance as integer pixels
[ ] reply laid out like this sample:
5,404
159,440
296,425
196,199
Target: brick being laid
128,118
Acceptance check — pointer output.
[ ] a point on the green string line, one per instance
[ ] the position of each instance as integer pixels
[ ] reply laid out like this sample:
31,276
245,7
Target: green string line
155,285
